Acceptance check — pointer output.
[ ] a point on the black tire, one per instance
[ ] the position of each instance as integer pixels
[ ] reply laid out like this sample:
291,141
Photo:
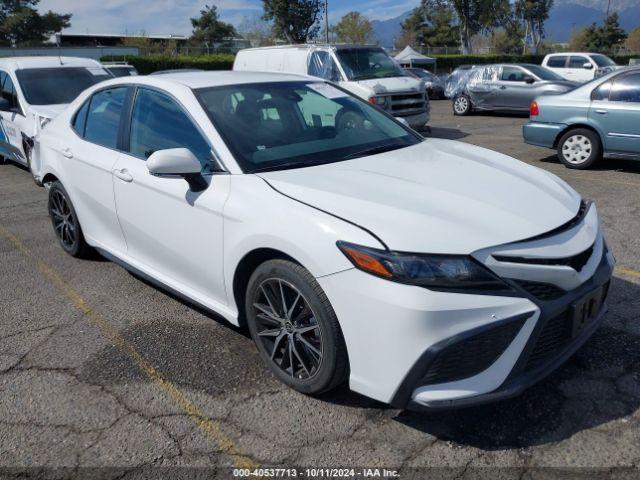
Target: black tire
462,105
69,234
579,148
312,311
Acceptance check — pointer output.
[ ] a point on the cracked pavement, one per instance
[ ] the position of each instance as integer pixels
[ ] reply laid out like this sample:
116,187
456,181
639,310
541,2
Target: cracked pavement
75,404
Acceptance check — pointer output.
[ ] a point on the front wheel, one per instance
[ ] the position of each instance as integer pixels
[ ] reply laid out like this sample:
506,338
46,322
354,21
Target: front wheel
295,328
65,222
579,148
462,105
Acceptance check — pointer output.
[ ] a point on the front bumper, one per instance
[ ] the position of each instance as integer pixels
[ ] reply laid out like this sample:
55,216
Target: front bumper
542,134
394,332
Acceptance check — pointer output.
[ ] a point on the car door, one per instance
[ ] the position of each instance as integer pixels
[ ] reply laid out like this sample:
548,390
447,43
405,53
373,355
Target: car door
619,115
171,232
482,86
89,155
576,70
11,120
514,93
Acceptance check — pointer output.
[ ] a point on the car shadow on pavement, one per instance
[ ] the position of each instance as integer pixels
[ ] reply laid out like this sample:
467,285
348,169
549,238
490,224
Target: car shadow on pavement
613,164
598,385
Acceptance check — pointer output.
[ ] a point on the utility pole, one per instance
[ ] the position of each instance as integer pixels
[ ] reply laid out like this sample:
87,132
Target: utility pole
326,21
608,7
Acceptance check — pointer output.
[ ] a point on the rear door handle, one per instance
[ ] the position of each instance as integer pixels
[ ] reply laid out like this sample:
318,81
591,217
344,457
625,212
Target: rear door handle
601,111
123,175
67,153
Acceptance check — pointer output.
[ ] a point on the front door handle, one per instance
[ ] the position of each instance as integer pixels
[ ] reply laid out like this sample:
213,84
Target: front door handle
67,153
123,175
602,111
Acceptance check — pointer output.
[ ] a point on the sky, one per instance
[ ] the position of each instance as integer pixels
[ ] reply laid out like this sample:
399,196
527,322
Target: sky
163,17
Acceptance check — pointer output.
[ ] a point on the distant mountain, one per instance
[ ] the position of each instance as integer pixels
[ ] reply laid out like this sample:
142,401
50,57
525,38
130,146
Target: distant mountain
386,31
565,17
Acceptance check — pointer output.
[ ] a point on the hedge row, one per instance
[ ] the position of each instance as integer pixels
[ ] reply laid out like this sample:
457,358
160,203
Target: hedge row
153,63
447,63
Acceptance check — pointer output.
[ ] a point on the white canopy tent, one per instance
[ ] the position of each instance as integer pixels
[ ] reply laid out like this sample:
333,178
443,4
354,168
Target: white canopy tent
410,58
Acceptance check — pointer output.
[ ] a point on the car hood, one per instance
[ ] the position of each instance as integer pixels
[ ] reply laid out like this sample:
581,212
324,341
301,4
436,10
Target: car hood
48,111
439,196
393,84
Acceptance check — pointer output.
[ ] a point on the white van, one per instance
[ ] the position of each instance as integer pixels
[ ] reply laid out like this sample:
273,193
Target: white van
34,90
365,71
579,67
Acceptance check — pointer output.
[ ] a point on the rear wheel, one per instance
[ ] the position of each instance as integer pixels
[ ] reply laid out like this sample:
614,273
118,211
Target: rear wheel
295,328
579,148
462,105
65,222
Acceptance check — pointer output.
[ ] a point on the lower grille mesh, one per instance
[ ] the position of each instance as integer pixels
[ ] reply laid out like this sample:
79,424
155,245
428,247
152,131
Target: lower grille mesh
555,335
472,355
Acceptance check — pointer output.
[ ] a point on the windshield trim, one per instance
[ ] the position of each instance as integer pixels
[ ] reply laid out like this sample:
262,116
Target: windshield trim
237,156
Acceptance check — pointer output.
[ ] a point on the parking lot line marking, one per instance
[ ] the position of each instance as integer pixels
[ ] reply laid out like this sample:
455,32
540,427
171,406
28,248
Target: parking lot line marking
628,272
211,428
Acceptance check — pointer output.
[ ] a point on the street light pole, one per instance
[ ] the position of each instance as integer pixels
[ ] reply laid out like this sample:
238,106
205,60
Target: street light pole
608,7
326,21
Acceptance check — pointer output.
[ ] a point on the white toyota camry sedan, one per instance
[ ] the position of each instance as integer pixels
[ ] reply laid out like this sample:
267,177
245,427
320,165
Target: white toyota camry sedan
428,273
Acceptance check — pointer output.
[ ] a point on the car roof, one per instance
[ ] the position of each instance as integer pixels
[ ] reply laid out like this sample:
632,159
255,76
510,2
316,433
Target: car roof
205,79
19,63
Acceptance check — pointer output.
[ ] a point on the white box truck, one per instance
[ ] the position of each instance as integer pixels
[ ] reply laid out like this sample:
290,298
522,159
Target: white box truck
365,71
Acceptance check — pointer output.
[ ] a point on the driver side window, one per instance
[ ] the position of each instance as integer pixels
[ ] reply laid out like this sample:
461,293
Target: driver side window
9,92
159,123
512,74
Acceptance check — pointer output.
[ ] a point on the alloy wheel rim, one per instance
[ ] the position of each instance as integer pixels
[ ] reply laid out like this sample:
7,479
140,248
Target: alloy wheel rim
288,329
577,149
64,221
461,105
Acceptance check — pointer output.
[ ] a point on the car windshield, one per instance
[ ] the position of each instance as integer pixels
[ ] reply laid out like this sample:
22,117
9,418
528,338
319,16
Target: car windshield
55,86
299,124
603,60
543,73
368,63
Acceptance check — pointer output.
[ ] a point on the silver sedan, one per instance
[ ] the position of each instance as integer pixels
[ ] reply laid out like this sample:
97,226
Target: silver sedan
506,87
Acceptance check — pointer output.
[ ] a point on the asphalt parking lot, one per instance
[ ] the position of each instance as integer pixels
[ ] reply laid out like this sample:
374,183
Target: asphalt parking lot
105,376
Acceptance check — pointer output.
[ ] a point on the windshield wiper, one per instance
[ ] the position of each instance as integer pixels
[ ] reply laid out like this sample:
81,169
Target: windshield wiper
374,150
282,166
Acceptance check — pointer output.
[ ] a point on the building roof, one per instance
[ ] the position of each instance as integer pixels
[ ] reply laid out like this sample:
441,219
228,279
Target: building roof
47,62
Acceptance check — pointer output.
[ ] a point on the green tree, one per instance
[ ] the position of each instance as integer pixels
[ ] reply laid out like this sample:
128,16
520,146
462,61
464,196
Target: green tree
475,16
207,28
295,20
21,24
432,23
354,28
604,38
534,14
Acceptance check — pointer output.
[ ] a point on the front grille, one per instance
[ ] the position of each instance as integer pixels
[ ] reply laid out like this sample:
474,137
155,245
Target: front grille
542,291
554,336
408,104
472,355
577,262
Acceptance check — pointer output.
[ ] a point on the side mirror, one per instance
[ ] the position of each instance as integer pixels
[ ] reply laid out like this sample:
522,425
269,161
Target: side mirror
178,162
529,80
5,105
587,66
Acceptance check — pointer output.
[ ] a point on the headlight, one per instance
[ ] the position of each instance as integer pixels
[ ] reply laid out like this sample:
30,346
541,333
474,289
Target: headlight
382,102
435,271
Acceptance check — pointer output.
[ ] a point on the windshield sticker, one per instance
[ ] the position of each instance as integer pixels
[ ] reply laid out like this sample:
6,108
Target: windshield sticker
326,90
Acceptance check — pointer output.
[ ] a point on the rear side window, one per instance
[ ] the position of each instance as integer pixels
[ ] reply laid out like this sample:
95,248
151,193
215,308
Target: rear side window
626,88
159,123
557,62
80,120
103,118
578,62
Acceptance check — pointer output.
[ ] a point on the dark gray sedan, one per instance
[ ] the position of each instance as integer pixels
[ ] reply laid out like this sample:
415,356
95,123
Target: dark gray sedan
506,87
